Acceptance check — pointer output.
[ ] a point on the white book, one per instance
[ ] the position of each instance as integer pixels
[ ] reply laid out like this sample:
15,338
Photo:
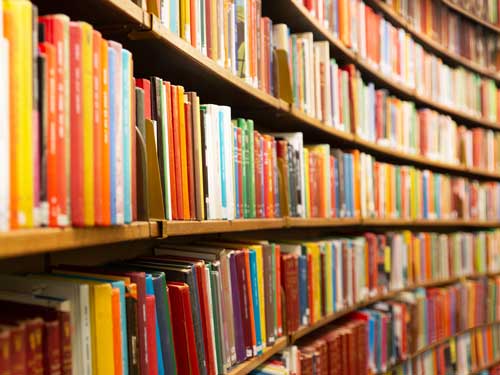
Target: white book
4,132
209,148
166,147
118,134
78,296
318,110
227,128
335,95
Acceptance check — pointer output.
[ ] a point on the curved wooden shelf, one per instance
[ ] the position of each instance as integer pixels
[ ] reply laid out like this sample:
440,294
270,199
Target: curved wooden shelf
252,363
299,19
471,16
431,44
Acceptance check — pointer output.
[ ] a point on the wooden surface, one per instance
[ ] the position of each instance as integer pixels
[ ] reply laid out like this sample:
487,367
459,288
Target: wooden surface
471,16
249,365
44,240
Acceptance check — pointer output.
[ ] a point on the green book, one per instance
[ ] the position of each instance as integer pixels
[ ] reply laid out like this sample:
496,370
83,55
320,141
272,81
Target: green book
251,170
218,330
242,124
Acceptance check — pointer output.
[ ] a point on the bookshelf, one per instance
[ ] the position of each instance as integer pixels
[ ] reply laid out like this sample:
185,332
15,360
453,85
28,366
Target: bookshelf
149,40
431,44
471,16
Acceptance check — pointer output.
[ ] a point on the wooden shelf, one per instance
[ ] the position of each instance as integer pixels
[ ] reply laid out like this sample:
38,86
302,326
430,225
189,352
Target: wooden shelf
430,44
24,242
299,19
486,367
471,16
184,228
251,364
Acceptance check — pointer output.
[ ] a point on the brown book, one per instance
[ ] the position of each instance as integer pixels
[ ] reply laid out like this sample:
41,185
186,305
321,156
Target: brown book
199,206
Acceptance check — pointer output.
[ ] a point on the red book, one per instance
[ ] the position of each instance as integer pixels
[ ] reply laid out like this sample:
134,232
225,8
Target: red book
171,157
5,365
151,328
18,349
208,24
190,158
98,127
183,329
51,153
289,281
77,136
55,27
314,314
145,84
279,319
192,21
177,184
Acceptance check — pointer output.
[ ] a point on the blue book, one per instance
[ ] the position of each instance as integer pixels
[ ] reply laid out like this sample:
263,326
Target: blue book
127,141
255,299
174,21
150,291
335,19
303,300
235,174
222,161
112,127
371,338
425,196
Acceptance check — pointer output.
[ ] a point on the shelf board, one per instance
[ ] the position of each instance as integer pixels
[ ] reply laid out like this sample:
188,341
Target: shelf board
430,43
297,222
486,367
299,19
185,228
471,16
24,242
251,364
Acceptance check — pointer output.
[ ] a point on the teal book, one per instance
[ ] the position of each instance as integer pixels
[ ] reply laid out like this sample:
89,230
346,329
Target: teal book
251,169
255,299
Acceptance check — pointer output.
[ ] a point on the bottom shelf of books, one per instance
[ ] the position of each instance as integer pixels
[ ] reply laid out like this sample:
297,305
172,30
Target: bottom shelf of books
229,305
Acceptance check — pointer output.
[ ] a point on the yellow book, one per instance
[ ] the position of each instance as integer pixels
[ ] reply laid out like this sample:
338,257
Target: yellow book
327,247
306,177
88,125
409,248
416,260
185,20
184,167
260,283
18,19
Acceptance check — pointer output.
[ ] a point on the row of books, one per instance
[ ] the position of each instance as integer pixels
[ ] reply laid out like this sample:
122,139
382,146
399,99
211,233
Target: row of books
452,30
393,51
352,184
375,339
335,94
233,33
203,306
461,355
487,10
321,278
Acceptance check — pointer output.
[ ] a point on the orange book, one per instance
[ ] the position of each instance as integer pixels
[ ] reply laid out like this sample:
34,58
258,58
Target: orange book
171,155
183,154
489,342
268,151
117,330
105,194
344,22
428,255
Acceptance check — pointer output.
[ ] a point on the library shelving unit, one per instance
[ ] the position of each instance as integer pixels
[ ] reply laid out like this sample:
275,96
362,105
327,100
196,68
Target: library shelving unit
149,41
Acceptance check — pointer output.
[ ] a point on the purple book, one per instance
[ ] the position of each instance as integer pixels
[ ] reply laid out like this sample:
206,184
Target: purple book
239,337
